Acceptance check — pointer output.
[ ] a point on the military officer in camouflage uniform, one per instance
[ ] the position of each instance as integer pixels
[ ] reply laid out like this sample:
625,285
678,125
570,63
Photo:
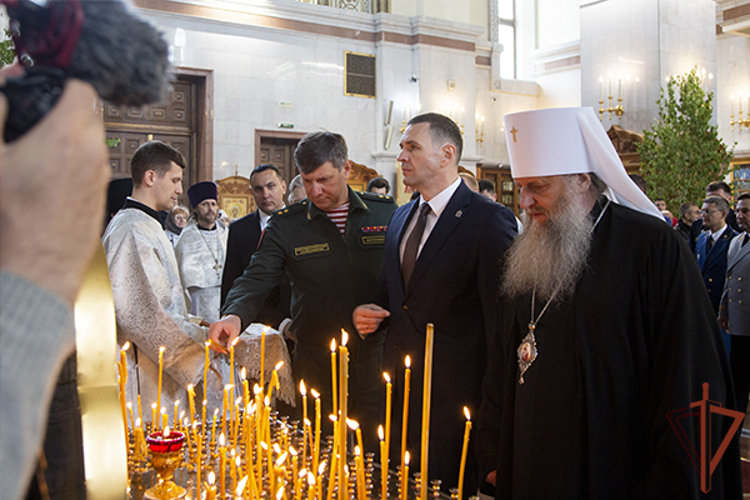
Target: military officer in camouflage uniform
331,245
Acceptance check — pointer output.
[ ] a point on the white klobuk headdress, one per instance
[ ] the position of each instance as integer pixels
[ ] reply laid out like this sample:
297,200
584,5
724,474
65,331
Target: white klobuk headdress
563,141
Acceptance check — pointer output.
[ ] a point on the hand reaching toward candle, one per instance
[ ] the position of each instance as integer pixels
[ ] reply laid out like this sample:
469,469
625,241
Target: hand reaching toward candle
367,318
223,332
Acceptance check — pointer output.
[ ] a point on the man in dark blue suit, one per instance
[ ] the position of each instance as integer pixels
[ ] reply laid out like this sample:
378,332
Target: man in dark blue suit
443,256
268,190
711,250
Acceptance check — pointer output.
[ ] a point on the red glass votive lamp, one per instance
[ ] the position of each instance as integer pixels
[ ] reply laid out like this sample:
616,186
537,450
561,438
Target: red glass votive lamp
157,443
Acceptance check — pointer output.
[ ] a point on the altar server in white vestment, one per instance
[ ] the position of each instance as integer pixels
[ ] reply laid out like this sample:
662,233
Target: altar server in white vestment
201,251
150,305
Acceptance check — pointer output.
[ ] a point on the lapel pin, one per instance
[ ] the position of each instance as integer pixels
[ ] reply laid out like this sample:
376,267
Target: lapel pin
459,214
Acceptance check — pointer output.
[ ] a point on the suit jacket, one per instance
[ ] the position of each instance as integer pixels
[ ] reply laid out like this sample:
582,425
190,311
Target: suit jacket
697,227
713,264
734,301
454,285
244,237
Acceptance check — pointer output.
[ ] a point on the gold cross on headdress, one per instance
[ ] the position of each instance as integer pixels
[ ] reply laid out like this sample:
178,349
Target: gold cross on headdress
514,132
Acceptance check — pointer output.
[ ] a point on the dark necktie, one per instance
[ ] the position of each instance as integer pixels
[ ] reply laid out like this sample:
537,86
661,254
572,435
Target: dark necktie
709,243
744,240
412,243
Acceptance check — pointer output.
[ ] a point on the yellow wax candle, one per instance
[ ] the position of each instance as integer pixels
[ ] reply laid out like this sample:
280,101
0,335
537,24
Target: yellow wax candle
426,401
343,410
183,420
245,388
231,365
188,437
175,421
405,477
354,425
191,402
263,356
232,471
275,379
211,487
213,427
205,371
154,421
222,467
225,409
164,417
140,409
198,463
316,446
137,437
360,463
132,419
263,452
333,377
122,368
295,478
383,465
332,472
405,414
241,486
388,403
310,486
161,371
204,423
303,391
464,451
236,421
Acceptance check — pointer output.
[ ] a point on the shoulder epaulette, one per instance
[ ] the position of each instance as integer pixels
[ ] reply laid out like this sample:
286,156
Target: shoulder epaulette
375,197
296,208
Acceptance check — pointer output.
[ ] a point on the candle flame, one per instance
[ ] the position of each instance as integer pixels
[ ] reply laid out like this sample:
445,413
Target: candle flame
466,412
163,410
221,439
353,424
232,453
357,451
208,343
195,424
125,346
162,349
314,393
190,387
238,401
177,402
282,458
307,422
302,388
278,366
302,473
344,337
292,451
129,405
166,432
276,448
381,434
153,406
267,401
241,484
333,345
264,445
322,467
211,478
243,373
256,389
205,402
182,414
407,361
137,422
228,387
406,458
333,418
280,493
387,377
234,342
216,412
238,460
311,479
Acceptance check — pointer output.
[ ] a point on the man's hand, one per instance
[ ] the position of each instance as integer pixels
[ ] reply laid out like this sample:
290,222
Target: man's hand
491,478
52,193
723,322
367,318
223,332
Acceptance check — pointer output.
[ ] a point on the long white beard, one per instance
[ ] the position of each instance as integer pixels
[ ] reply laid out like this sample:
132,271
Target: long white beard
550,255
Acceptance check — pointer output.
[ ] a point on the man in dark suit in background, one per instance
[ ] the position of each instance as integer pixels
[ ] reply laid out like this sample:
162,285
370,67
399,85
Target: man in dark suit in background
711,250
443,255
723,190
268,190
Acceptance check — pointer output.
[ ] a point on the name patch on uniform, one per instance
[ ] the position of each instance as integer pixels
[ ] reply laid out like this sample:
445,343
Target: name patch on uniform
307,250
373,240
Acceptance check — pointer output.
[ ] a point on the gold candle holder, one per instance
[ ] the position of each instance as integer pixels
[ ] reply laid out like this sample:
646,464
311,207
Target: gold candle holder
166,455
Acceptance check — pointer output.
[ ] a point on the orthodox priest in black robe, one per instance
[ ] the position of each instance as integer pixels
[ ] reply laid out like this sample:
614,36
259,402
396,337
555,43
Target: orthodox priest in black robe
605,331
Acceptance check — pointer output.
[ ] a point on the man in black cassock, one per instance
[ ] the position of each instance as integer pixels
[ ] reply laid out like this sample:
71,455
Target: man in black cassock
605,329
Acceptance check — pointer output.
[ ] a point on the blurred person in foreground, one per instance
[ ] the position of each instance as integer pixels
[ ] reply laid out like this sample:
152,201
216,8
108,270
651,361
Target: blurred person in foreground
606,330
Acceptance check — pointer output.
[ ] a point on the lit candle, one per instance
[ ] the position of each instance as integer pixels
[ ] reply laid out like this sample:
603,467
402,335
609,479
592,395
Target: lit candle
191,402
343,407
316,446
132,419
225,409
198,463
231,368
482,127
205,372
164,417
274,379
263,356
154,421
303,391
241,486
405,477
383,465
175,421
186,431
211,487
311,486
222,467
333,376
140,409
405,415
462,469
360,463
232,471
388,403
332,472
213,427
137,437
204,423
122,368
161,371
426,400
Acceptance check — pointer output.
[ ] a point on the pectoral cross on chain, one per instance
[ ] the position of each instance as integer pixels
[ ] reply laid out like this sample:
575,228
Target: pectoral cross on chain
514,131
